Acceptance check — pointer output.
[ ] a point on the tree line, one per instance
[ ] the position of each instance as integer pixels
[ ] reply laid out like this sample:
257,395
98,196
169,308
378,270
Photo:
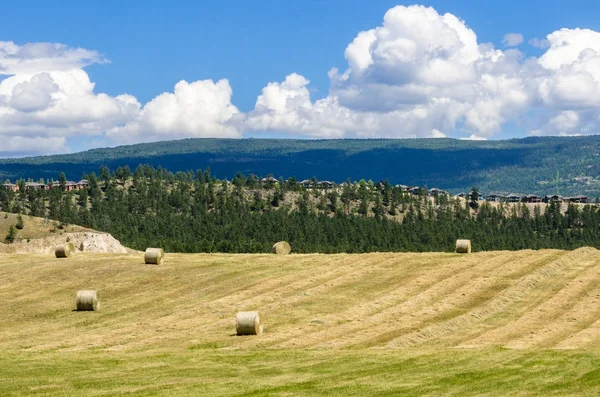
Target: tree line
195,212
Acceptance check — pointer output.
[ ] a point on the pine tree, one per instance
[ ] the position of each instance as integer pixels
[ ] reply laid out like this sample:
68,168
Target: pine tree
20,225
11,236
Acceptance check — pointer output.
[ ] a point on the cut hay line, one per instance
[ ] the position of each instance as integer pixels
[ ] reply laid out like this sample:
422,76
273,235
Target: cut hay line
518,293
313,301
281,248
64,250
154,256
248,323
463,246
410,306
574,296
87,301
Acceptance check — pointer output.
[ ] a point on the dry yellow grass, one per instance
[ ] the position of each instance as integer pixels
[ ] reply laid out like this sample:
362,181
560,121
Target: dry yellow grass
34,227
521,299
428,323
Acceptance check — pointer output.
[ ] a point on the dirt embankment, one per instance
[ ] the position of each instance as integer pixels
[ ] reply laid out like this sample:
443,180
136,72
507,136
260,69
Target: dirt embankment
83,241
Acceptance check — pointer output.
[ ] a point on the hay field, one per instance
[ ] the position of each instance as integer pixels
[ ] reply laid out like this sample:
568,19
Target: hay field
490,323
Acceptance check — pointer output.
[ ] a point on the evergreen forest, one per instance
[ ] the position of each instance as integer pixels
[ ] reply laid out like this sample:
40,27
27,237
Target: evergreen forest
195,212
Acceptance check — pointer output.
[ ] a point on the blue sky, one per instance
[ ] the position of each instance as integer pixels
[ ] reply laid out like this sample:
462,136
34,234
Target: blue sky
144,48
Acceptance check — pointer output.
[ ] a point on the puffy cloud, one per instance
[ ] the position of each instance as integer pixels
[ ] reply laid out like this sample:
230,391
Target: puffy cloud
512,39
23,146
44,57
420,74
46,97
539,43
59,103
36,94
287,107
568,86
423,74
197,109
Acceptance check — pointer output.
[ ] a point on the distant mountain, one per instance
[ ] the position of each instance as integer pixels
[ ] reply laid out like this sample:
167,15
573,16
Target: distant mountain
541,165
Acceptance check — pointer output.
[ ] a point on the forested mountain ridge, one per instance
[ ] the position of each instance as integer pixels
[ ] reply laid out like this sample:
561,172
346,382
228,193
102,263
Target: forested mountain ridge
541,165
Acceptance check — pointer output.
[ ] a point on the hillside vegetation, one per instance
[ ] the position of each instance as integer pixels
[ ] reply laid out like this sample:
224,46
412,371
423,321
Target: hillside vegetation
491,323
195,212
35,227
541,165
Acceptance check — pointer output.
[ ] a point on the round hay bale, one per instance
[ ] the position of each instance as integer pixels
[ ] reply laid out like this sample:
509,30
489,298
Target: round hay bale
64,251
248,323
154,256
463,246
87,300
281,248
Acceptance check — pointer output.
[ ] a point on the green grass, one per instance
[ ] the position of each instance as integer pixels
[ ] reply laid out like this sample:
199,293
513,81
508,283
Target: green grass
222,372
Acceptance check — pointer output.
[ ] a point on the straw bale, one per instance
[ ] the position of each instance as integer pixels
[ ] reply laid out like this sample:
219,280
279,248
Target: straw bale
281,248
248,323
64,250
87,300
463,246
154,256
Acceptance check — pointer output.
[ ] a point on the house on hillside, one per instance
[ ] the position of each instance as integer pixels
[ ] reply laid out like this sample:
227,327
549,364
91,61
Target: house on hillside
577,199
83,184
434,191
494,197
414,190
555,198
462,195
326,184
513,198
11,186
36,186
531,198
269,179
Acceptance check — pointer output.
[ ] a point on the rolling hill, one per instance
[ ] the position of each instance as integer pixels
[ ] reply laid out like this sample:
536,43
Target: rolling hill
385,324
541,165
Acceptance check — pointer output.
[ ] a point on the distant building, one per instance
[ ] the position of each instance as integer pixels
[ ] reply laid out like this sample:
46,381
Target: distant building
11,186
531,198
555,198
495,197
513,198
577,199
434,191
268,179
36,186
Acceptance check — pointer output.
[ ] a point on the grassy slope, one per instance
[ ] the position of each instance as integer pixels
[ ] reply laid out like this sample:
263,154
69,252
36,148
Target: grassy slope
33,227
417,324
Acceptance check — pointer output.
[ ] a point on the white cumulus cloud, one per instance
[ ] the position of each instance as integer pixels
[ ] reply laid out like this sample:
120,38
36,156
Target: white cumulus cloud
46,97
424,74
512,39
198,109
419,74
